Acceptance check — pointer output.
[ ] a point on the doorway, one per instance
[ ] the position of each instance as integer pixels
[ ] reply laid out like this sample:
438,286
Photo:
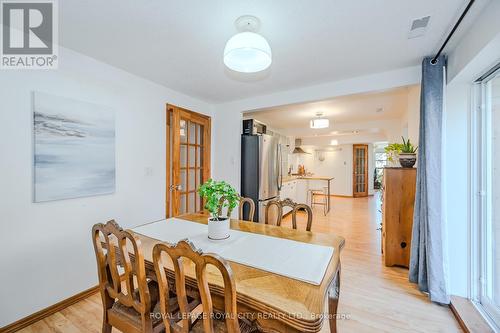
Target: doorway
188,159
360,171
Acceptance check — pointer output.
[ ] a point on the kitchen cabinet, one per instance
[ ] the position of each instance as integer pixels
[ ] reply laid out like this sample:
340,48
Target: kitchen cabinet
295,190
288,190
301,189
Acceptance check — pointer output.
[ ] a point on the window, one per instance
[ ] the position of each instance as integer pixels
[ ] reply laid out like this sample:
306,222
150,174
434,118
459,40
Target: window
380,164
487,224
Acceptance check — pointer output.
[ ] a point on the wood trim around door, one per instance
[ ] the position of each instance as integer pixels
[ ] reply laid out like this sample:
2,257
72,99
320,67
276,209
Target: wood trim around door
365,192
173,156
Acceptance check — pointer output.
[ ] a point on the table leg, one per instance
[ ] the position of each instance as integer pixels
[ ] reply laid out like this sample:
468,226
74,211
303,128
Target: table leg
333,301
328,199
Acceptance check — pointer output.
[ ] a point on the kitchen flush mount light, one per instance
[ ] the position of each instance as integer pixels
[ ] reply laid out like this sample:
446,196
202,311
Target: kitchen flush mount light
334,143
247,51
320,122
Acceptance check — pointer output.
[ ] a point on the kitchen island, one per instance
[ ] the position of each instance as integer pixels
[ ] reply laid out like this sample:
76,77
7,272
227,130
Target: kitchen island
296,187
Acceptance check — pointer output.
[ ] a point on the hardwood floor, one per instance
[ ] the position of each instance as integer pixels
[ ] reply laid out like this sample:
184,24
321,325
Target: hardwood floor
374,298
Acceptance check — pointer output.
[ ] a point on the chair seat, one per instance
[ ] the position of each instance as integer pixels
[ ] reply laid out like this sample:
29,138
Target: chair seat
318,191
134,317
220,326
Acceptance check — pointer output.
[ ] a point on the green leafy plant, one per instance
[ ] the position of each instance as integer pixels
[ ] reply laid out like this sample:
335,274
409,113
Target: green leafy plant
219,195
407,147
392,150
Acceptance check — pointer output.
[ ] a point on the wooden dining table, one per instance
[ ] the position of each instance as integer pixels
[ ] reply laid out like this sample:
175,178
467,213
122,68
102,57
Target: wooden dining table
271,302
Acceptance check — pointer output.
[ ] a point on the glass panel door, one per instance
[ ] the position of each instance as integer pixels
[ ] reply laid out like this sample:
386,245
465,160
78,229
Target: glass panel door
489,289
360,167
190,160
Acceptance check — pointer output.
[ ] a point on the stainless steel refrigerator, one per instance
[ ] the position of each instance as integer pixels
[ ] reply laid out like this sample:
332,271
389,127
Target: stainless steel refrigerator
261,171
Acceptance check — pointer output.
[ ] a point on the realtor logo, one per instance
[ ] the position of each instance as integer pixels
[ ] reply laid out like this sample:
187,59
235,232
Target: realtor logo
29,34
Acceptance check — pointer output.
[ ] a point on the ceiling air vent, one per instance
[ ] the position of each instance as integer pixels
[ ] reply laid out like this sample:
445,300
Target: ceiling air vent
418,27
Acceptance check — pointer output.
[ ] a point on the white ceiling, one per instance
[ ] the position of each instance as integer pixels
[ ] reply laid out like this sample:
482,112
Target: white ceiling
179,44
346,114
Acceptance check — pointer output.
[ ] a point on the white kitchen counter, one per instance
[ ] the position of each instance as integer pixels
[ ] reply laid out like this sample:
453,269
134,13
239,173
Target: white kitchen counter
296,188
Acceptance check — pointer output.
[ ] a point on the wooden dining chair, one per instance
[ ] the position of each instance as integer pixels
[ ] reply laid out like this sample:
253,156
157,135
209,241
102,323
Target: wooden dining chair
251,208
128,299
186,319
295,208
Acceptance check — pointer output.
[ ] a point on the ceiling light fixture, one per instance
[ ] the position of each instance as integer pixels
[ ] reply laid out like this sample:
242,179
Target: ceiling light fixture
247,51
319,122
334,143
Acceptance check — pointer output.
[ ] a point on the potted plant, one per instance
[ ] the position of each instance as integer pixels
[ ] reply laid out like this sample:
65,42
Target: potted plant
393,150
408,156
218,195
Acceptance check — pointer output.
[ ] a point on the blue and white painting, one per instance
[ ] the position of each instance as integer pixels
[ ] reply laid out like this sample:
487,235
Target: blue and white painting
74,154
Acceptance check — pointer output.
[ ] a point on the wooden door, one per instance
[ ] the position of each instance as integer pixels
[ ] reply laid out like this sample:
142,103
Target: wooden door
188,159
360,170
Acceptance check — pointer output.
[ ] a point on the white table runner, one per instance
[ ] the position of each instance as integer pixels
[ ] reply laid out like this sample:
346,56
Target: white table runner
297,260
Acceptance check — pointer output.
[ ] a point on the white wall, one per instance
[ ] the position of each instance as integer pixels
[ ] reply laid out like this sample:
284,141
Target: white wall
366,83
456,190
476,52
226,146
229,115
46,249
483,31
337,164
413,113
409,126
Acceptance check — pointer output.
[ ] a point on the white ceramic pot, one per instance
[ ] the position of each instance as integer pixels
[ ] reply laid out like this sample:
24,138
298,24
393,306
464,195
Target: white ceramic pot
218,229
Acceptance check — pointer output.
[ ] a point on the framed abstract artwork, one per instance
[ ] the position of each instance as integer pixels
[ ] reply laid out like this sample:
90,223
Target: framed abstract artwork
74,148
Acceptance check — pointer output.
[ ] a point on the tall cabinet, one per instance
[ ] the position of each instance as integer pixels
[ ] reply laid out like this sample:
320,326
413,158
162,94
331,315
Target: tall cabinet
397,214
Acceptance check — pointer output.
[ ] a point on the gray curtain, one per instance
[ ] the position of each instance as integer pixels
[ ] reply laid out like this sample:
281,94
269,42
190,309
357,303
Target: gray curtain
427,259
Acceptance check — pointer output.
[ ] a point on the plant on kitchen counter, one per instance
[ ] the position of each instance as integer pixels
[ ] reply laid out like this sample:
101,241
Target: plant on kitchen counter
219,195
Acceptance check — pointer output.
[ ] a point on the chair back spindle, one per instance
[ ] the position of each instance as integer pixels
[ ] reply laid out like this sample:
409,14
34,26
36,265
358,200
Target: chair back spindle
251,208
117,249
295,208
178,253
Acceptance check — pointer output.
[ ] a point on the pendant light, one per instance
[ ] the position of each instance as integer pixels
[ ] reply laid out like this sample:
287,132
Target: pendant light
247,51
320,122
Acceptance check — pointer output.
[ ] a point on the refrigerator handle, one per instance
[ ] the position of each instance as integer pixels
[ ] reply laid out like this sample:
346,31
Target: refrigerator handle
280,168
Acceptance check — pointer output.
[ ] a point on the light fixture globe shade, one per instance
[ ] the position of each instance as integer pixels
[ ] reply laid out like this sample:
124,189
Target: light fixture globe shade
320,123
247,52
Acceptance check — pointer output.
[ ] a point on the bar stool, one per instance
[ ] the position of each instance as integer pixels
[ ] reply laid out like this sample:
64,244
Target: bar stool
324,192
